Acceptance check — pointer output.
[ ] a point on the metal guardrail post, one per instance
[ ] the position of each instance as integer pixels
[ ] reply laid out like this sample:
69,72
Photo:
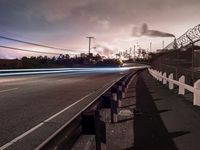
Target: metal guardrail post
114,105
124,89
106,101
88,122
92,125
120,93
100,132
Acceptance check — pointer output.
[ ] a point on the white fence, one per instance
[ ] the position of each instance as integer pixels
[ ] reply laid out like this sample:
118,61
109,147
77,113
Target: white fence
162,77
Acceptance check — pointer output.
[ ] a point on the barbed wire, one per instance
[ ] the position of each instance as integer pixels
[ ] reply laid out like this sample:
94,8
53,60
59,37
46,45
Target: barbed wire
191,36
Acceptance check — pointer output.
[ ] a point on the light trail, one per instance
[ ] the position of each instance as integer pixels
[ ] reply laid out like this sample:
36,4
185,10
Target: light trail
94,68
8,90
13,72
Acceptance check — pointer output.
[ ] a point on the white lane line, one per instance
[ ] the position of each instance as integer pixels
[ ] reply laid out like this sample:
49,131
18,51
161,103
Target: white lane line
8,90
40,124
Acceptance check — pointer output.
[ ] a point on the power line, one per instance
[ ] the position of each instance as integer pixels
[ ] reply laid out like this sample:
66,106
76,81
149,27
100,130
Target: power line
35,44
26,50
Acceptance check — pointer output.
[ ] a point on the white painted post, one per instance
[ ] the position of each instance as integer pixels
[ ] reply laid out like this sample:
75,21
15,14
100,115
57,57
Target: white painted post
158,73
160,77
154,74
197,93
164,80
171,85
181,89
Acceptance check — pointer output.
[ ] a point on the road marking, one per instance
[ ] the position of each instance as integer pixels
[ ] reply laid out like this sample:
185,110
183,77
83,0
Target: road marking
40,124
8,90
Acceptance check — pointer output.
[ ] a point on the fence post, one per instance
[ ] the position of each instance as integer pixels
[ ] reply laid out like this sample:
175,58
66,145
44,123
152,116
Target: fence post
197,93
160,78
157,73
164,80
171,85
181,89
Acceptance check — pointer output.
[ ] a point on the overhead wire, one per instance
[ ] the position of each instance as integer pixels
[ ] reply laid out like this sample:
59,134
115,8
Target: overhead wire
28,50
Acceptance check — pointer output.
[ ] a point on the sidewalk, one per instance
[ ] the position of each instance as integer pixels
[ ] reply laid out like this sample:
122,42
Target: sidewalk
162,120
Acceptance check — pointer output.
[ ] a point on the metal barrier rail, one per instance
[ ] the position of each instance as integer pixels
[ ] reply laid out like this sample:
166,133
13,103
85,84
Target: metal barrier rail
67,135
162,77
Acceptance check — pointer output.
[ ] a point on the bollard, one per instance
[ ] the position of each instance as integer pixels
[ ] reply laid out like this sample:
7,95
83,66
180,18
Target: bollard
197,93
181,89
171,85
164,80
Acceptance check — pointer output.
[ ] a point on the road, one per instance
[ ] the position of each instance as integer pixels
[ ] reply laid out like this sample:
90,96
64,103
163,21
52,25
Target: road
26,101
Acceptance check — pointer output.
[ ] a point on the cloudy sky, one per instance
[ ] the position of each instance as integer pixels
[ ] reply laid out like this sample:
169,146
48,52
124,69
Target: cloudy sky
67,23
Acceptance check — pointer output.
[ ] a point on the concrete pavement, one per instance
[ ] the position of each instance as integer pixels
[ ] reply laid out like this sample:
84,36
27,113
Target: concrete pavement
162,119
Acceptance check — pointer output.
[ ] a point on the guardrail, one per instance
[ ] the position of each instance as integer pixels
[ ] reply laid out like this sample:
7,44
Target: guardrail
88,121
162,77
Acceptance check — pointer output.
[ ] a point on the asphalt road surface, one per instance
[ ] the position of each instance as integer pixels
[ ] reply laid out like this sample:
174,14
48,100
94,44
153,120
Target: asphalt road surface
26,101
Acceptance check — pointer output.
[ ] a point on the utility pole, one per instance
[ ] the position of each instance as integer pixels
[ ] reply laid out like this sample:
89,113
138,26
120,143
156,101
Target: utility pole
90,38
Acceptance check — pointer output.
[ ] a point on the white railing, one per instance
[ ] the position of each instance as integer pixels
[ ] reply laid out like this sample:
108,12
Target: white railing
162,77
